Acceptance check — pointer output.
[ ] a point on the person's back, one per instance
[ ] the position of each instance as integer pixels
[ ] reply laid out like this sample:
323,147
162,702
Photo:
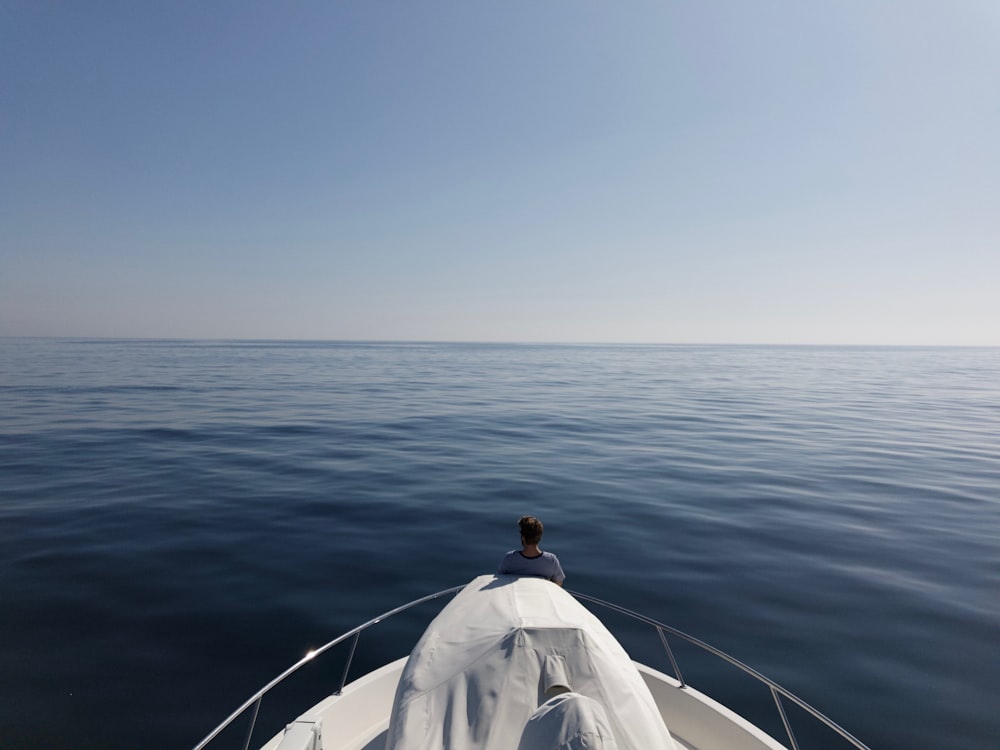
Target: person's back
530,560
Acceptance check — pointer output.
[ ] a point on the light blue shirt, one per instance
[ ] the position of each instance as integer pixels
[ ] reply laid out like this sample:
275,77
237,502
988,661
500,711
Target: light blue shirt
546,565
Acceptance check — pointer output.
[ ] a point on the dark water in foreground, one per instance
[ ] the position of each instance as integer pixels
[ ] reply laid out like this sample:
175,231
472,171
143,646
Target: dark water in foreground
180,521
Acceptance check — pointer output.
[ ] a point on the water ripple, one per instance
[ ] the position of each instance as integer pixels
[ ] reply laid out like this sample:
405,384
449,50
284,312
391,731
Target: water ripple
829,515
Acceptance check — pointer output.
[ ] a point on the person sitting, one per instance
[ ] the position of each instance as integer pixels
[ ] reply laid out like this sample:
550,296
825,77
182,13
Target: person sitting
530,560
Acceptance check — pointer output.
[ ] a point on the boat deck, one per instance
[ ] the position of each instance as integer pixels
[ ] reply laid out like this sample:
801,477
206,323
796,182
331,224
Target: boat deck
357,719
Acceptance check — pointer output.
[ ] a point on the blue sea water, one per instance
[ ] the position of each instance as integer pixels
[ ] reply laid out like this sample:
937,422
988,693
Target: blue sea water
181,520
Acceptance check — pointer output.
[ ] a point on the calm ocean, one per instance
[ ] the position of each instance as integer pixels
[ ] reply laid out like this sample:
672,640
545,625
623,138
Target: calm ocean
181,520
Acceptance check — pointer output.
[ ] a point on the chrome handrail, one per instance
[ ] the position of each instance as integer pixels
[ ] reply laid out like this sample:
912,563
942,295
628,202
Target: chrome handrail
259,695
776,690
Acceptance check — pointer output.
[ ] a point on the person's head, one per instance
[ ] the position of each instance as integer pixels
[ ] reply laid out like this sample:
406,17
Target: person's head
531,529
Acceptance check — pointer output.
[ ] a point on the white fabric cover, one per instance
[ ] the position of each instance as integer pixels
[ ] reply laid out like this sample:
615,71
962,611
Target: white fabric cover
478,672
568,722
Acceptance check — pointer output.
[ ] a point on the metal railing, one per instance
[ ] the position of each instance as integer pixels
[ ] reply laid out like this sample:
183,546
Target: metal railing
776,690
662,629
255,699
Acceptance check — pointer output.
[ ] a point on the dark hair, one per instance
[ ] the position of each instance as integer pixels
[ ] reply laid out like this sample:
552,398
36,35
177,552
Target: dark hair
531,529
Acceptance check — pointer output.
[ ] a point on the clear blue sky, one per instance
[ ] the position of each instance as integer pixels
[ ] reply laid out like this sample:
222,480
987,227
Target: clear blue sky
697,171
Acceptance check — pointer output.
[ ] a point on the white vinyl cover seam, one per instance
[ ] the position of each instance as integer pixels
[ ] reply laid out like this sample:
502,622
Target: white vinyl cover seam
479,673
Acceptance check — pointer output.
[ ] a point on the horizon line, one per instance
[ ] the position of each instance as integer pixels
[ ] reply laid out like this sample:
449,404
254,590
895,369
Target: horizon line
493,342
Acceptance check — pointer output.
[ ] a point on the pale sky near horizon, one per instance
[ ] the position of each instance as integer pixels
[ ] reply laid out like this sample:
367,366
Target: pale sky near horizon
565,171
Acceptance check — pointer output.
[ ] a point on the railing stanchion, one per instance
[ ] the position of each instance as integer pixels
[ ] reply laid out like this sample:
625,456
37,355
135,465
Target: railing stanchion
253,722
256,697
347,667
775,688
784,719
670,653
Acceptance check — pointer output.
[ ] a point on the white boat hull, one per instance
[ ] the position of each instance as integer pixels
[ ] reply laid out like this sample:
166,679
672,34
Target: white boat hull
358,718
